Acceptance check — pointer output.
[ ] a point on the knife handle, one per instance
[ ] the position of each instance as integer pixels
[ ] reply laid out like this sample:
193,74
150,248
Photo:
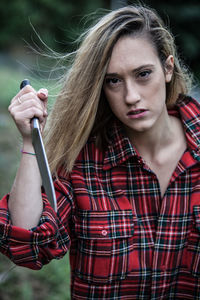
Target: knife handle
24,83
34,121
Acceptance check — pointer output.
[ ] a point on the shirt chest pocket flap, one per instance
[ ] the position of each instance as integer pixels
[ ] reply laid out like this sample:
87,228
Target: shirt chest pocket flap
193,249
106,246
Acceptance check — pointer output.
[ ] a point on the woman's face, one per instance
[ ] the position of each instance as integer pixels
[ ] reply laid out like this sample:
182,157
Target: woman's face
135,84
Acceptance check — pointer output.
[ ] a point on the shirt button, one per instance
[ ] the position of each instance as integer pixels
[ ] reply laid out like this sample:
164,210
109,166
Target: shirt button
104,232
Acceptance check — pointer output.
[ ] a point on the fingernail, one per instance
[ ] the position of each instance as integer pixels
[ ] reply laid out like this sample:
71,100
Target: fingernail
43,92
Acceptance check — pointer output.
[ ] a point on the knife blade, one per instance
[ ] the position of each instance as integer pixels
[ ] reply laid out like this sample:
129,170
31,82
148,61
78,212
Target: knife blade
42,161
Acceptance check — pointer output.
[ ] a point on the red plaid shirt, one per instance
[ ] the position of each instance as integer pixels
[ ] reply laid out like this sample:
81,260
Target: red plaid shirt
125,241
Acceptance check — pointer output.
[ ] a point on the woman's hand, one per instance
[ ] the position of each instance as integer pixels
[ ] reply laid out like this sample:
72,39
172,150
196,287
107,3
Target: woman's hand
26,105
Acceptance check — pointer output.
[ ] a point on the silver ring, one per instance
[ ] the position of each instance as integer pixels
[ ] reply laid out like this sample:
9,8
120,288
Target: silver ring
19,100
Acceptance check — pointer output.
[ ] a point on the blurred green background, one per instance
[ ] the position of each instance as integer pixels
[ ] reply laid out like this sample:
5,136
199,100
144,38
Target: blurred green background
58,23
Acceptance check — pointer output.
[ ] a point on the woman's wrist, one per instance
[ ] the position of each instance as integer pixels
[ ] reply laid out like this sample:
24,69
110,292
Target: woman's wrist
27,146
27,152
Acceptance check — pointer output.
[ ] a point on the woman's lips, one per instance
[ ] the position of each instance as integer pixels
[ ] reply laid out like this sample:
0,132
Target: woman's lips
137,113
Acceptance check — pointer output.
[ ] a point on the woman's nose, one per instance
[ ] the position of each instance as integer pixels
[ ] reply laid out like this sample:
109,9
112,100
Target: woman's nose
132,94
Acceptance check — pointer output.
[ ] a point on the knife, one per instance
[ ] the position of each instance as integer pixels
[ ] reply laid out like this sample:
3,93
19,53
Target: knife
42,161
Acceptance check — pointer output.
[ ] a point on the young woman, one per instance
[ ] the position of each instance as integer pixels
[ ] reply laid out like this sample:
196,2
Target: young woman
124,148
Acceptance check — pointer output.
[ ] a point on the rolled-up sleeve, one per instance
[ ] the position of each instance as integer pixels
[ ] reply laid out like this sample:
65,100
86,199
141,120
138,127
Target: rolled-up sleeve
50,239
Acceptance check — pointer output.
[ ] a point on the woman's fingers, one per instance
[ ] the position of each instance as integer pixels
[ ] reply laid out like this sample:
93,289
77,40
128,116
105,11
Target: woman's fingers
26,105
43,95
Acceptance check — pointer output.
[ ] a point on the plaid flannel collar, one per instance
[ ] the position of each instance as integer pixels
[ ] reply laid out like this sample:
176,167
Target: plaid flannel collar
189,112
120,149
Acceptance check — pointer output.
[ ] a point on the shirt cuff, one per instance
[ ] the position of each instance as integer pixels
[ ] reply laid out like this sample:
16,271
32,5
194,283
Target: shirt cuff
45,232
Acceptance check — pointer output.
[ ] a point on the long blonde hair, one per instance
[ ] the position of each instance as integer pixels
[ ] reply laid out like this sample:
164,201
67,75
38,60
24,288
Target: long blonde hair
81,107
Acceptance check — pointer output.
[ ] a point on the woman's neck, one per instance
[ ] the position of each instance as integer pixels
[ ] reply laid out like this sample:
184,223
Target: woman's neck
152,142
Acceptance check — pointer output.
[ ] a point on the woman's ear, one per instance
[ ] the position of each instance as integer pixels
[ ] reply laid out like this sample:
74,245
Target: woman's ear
169,68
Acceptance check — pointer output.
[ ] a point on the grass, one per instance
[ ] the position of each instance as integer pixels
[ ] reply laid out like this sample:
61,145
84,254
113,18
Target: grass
10,81
52,281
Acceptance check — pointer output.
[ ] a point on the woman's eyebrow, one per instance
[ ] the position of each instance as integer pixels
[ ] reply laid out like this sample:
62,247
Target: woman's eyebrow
134,70
112,74
140,68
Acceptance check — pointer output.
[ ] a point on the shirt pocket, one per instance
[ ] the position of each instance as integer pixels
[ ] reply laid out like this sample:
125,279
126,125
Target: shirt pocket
106,250
193,248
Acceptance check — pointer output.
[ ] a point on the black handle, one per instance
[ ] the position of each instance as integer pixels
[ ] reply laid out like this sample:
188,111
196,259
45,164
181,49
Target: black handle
24,83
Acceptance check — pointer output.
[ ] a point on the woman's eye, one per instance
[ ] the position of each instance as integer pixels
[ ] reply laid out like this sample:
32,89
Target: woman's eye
144,74
112,81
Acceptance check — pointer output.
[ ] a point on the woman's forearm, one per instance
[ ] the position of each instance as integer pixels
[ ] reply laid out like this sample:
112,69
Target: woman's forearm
25,201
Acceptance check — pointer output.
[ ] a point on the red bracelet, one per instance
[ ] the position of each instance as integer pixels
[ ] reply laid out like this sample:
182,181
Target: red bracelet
30,153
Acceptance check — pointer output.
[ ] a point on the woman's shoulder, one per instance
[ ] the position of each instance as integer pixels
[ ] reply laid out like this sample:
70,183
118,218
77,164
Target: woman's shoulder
188,102
92,152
